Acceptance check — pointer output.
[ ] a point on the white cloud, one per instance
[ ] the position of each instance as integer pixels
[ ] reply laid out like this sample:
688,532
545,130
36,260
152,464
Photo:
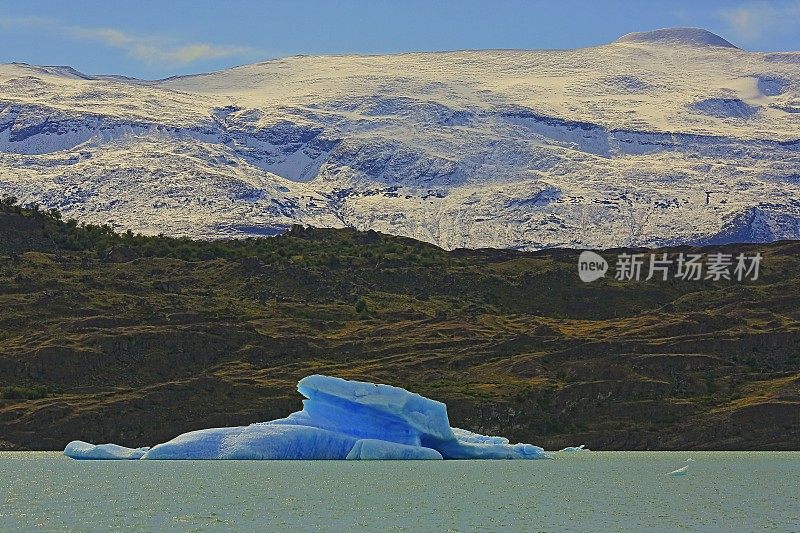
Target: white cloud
753,20
156,50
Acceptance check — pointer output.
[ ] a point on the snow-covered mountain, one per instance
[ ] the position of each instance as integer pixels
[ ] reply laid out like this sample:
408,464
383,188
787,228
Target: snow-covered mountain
657,138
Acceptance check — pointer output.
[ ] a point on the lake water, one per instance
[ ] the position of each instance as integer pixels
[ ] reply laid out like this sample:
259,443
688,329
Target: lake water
589,491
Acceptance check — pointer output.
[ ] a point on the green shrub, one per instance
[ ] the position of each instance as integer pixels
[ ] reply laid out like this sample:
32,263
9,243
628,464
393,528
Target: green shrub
23,393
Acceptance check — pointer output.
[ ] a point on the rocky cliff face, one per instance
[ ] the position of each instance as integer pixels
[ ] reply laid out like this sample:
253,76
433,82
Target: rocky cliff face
659,138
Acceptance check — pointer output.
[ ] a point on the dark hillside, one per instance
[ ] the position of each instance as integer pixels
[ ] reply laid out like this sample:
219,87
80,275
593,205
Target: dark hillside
111,337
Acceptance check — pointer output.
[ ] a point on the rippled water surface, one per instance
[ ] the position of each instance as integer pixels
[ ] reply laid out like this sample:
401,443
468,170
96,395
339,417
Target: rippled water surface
589,491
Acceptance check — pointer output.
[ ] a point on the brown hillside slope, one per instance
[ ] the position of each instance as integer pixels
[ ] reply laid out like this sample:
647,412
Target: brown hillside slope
134,340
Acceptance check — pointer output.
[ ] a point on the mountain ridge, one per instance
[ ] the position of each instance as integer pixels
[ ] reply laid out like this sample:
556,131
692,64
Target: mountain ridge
617,145
678,36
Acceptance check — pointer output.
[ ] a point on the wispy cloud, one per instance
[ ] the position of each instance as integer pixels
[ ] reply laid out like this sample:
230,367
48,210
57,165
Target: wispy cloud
753,20
154,50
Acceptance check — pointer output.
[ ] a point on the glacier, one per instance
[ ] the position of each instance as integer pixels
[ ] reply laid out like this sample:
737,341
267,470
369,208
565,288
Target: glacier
340,419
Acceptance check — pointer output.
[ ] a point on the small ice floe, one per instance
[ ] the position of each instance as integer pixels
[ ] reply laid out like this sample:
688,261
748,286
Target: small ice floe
581,448
78,449
682,471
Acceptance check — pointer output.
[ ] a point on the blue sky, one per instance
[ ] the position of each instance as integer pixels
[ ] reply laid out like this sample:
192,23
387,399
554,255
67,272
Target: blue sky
154,39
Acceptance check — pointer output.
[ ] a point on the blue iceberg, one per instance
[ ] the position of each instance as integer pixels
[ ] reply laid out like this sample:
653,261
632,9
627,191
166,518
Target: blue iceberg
340,419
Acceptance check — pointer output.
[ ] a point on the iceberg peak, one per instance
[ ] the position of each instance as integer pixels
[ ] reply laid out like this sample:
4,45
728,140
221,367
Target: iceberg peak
341,419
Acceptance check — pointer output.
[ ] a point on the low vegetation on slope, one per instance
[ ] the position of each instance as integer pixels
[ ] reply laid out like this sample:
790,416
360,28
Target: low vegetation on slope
111,337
